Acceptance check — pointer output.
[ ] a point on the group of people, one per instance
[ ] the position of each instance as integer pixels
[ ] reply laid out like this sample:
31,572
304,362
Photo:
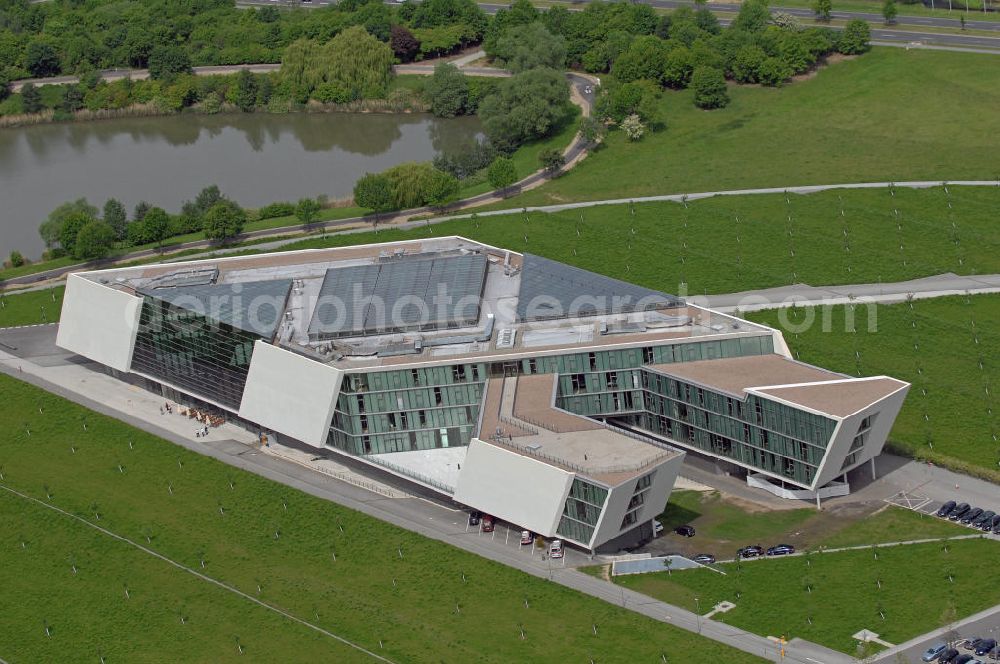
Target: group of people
166,408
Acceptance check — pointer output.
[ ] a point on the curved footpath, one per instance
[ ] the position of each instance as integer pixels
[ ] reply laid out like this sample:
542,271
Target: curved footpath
403,220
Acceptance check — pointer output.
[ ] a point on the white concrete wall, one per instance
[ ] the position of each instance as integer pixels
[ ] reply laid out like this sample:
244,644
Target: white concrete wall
290,394
886,409
516,488
99,322
657,496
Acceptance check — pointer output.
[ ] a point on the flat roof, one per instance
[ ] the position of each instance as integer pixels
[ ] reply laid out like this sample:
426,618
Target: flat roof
519,415
841,398
777,376
734,375
486,291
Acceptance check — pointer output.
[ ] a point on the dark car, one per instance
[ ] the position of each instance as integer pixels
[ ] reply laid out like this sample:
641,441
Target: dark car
704,558
946,509
971,515
996,529
986,518
750,551
474,518
958,512
948,655
962,659
970,643
686,531
985,646
781,550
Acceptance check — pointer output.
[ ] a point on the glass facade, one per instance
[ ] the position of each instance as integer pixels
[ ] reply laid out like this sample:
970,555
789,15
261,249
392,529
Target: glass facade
582,511
201,356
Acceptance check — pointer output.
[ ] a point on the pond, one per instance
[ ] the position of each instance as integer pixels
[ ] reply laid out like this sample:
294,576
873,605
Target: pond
255,159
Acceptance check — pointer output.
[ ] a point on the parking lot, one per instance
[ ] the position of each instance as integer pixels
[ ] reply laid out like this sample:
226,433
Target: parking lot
973,517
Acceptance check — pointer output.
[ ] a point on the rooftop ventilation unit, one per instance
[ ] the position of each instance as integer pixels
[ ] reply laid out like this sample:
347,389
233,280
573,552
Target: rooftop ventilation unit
505,338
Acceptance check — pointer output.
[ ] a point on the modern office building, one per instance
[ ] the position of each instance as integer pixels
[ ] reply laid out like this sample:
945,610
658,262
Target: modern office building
559,400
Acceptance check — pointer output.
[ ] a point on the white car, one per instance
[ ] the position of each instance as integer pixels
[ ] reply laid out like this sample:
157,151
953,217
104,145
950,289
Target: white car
556,549
526,537
657,528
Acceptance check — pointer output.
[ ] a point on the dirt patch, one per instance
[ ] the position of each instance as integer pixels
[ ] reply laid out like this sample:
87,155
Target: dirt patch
822,63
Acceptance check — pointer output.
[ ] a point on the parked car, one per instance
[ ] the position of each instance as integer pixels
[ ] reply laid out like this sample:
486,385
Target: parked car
970,643
704,558
527,537
474,518
752,551
996,529
971,515
948,655
985,646
935,650
994,522
963,659
487,524
945,510
984,518
958,512
657,528
686,531
781,550
556,549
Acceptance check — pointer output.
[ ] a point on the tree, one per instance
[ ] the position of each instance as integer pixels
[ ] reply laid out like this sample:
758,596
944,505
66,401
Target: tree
823,9
4,84
443,189
854,38
591,130
709,86
502,173
41,60
72,99
551,159
71,227
643,60
889,11
246,91
31,99
374,192
746,66
114,216
529,46
524,107
404,45
306,210
16,258
51,228
358,62
142,208
447,90
165,62
224,220
633,127
93,241
752,17
155,225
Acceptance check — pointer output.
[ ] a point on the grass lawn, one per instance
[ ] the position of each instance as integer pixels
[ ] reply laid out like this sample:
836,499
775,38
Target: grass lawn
31,308
194,508
773,596
872,118
724,520
729,244
948,348
893,524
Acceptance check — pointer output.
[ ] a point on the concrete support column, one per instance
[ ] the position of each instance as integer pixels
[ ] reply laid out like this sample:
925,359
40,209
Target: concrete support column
873,469
818,506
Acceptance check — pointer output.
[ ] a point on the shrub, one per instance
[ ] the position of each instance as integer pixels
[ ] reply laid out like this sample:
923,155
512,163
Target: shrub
279,209
551,159
709,86
466,161
633,127
16,259
854,39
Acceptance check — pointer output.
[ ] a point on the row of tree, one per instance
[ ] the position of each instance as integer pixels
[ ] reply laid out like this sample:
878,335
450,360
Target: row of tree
80,230
47,39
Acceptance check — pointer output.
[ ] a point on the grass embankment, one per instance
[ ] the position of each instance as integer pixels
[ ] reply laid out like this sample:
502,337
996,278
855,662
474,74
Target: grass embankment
724,524
31,308
948,348
826,598
386,583
873,118
729,244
